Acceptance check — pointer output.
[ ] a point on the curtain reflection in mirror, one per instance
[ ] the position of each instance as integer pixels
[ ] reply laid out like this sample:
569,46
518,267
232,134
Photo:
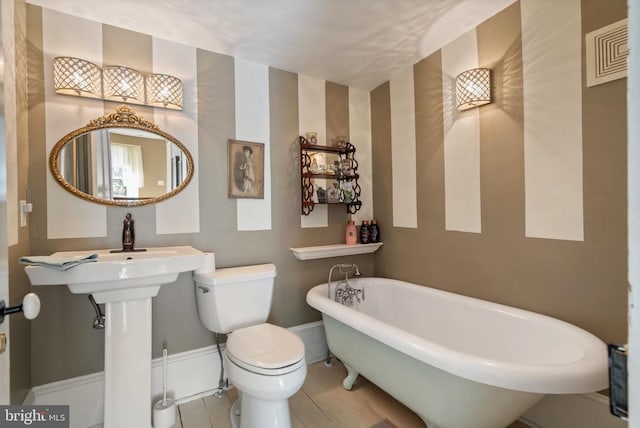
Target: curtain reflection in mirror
103,164
127,171
75,161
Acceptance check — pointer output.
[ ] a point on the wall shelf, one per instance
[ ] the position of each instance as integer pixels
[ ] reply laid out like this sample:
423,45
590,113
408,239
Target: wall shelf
342,173
326,251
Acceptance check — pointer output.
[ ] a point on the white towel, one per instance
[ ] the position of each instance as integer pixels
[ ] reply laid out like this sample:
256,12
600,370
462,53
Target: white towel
58,262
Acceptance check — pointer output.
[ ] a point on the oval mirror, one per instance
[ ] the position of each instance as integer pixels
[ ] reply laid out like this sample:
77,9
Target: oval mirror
121,159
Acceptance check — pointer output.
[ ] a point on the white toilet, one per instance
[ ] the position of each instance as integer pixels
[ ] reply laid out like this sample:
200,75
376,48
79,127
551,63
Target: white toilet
265,362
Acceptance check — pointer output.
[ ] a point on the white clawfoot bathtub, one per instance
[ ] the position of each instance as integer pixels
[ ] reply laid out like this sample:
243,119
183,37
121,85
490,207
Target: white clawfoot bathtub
458,362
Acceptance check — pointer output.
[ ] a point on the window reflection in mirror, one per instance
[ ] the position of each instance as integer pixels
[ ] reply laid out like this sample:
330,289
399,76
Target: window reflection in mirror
122,163
121,159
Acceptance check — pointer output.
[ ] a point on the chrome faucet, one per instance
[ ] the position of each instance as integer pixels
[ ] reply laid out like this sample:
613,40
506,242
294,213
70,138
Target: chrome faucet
347,293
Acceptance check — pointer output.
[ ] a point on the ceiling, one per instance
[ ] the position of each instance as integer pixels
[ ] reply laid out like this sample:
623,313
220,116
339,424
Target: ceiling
359,43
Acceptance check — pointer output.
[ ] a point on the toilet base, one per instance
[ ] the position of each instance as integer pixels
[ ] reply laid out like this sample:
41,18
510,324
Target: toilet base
234,414
249,412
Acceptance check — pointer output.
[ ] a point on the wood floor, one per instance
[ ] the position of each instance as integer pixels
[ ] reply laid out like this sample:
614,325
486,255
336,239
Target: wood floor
322,402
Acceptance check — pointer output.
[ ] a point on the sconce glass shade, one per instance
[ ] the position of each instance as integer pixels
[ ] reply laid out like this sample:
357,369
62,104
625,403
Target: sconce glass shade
123,84
74,76
164,91
473,88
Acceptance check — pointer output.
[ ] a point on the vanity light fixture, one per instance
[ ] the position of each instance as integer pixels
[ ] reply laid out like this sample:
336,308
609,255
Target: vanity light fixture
123,84
473,88
164,91
74,76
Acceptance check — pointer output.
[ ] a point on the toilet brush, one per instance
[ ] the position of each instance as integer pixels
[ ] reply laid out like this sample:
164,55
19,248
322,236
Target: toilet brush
164,411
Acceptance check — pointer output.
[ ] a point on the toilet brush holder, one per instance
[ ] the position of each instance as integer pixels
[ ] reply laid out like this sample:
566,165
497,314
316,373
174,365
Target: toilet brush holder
164,414
164,411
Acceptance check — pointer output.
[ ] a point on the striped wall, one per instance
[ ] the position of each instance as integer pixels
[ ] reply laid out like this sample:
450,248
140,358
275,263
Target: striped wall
551,55
180,214
520,201
225,98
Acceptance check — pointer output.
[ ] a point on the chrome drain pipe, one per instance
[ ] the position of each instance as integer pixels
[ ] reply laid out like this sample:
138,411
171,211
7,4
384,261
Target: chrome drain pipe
98,323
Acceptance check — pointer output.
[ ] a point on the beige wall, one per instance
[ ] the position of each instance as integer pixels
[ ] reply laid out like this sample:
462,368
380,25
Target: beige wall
582,282
63,343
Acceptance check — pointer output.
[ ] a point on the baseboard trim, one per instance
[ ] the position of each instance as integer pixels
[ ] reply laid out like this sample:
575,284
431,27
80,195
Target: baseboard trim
190,375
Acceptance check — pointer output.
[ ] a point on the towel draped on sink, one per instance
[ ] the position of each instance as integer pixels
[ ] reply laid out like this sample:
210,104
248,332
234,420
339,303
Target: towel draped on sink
58,262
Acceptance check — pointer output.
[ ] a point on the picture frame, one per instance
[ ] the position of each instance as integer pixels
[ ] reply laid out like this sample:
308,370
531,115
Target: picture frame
245,169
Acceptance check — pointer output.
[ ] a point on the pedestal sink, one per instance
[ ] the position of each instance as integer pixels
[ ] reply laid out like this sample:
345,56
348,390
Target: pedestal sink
125,283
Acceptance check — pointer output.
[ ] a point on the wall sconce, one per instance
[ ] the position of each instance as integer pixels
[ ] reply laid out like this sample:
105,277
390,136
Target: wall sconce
473,88
74,76
164,91
123,84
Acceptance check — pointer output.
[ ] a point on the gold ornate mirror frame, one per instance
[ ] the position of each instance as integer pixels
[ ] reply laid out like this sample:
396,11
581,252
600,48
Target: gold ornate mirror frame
123,117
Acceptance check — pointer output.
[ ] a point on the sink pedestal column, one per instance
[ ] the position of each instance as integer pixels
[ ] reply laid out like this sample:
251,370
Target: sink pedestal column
127,364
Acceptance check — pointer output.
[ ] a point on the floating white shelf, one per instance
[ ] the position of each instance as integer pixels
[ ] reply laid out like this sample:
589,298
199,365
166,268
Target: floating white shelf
326,251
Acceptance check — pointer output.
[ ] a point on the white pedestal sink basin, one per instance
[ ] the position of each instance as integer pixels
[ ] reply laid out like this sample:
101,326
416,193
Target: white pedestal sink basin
125,283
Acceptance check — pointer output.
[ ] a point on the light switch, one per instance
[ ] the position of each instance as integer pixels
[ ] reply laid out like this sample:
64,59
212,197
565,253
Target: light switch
25,207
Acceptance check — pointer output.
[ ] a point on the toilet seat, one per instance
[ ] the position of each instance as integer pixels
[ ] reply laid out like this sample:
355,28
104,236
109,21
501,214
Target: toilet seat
265,349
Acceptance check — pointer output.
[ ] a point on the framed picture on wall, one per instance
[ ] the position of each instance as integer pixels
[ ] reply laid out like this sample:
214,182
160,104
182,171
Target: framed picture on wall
245,169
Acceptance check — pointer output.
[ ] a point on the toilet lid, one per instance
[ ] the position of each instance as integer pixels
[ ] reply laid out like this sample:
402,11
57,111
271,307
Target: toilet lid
265,346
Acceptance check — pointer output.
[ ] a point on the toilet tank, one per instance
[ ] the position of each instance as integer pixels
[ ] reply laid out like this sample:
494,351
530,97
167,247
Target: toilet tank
233,298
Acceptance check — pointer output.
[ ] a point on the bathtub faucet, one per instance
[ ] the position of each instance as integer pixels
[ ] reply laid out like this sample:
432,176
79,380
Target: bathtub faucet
347,293
344,268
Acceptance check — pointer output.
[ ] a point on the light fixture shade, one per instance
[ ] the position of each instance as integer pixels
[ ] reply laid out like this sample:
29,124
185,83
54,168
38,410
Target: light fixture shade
164,91
74,76
473,88
123,84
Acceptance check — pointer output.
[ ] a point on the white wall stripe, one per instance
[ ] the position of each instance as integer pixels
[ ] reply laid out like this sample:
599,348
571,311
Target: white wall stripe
551,54
403,150
360,137
312,117
461,141
67,214
181,213
252,124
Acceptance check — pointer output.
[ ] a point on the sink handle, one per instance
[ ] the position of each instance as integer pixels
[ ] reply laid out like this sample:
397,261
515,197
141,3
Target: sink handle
30,307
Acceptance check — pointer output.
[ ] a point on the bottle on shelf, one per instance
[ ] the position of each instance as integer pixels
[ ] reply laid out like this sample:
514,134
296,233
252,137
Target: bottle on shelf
364,232
374,232
350,235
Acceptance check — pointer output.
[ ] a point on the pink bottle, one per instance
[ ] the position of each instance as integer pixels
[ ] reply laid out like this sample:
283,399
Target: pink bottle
350,235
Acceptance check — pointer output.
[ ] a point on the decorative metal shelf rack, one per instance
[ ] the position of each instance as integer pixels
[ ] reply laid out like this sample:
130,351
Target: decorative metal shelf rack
345,156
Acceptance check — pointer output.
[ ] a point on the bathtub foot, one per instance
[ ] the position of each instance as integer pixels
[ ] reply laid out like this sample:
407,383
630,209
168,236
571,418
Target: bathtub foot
348,381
